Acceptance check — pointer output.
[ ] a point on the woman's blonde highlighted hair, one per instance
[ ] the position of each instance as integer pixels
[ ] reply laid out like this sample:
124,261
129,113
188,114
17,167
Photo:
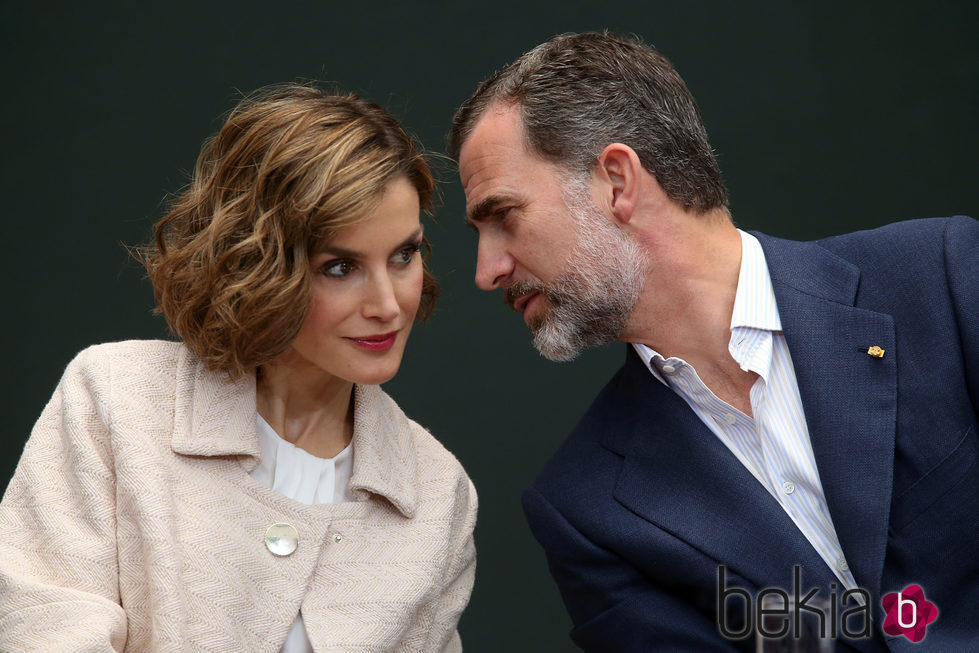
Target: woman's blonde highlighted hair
290,167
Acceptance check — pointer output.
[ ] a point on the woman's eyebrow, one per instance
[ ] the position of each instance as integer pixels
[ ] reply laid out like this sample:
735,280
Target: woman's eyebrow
342,252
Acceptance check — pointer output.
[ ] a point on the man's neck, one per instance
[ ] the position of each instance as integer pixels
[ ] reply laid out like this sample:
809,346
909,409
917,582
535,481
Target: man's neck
686,304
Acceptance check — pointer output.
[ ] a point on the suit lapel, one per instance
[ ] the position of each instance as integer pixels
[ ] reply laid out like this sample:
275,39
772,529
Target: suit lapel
715,503
849,397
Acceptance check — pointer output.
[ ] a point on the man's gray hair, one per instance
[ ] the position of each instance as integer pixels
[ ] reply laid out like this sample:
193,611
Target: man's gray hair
578,93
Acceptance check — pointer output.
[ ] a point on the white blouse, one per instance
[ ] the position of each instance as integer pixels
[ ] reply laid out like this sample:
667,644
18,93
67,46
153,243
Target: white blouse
300,475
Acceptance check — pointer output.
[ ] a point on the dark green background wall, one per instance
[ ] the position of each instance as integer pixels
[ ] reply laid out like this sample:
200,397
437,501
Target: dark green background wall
827,117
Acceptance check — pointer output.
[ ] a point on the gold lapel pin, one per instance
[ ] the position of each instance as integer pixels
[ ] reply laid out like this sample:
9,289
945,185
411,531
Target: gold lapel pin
875,351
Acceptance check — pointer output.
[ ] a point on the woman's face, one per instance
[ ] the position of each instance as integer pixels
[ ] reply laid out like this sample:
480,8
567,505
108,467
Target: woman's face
366,286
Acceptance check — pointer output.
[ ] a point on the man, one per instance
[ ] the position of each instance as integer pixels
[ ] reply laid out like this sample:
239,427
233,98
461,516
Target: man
790,416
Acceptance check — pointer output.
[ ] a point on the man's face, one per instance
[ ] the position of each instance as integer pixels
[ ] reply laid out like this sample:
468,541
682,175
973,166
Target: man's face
573,274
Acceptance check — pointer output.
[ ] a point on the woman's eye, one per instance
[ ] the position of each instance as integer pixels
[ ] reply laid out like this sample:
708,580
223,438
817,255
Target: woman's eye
338,269
404,256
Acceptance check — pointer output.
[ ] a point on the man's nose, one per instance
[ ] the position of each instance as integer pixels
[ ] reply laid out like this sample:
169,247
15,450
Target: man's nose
494,265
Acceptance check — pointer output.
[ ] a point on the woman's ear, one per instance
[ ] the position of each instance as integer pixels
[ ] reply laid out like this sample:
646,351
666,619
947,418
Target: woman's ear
619,171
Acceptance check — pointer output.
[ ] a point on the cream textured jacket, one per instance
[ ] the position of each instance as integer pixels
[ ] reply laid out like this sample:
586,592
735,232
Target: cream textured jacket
132,523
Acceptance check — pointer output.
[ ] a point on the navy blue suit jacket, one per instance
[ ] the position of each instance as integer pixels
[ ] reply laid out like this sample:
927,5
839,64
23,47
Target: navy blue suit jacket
642,503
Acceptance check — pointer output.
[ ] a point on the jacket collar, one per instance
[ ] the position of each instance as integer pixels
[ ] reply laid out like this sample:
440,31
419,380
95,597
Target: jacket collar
810,269
215,416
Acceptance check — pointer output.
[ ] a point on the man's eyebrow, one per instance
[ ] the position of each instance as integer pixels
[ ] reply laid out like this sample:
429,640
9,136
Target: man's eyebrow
484,209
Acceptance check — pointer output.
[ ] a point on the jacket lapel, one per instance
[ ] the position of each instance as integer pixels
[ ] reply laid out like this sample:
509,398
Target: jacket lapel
849,397
385,458
715,503
214,416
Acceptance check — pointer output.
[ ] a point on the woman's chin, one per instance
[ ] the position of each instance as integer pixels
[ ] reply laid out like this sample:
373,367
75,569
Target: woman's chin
374,380
375,374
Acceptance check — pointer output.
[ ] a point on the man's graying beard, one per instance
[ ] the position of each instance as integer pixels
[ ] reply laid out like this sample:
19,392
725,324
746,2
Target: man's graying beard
592,300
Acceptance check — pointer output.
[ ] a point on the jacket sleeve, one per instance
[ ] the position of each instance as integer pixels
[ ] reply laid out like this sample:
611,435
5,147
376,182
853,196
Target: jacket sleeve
962,272
614,608
58,561
447,607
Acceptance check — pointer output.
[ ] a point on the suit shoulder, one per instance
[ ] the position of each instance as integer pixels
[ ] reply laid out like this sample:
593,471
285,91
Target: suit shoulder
909,254
591,445
915,233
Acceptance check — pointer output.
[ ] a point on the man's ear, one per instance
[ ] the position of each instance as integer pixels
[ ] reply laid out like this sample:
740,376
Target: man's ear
619,171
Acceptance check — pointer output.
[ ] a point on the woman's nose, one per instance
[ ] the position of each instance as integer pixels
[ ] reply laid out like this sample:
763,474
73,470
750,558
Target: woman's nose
382,301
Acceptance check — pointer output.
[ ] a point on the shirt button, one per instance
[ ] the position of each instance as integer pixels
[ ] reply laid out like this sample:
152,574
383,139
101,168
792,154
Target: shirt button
669,369
842,566
788,487
730,418
281,539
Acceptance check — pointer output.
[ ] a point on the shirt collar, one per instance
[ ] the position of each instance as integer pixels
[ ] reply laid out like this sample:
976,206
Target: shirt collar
214,416
652,359
754,303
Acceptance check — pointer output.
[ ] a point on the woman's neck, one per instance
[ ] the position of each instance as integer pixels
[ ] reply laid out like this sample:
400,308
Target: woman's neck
306,406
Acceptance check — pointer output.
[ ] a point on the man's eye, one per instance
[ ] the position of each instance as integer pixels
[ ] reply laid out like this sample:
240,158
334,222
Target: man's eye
338,269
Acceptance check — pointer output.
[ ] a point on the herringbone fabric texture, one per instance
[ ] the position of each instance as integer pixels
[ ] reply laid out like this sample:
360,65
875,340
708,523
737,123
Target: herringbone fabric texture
132,524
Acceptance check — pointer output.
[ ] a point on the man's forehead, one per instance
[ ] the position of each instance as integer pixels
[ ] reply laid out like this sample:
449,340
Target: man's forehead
496,151
498,131
500,118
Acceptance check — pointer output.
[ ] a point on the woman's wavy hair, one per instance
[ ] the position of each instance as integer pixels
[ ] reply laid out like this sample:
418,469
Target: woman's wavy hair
291,166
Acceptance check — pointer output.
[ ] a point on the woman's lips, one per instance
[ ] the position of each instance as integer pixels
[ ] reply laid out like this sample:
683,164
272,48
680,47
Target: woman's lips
381,342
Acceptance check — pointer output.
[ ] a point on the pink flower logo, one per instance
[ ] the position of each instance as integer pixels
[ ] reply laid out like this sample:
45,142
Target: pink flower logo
908,613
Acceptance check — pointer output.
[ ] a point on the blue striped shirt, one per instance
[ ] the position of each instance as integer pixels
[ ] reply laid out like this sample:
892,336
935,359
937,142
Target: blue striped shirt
774,443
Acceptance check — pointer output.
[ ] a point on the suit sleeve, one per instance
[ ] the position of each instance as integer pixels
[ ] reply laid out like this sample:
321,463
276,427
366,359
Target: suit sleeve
962,271
58,560
614,608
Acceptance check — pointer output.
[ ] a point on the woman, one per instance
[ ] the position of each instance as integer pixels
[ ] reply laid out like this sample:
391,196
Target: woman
251,488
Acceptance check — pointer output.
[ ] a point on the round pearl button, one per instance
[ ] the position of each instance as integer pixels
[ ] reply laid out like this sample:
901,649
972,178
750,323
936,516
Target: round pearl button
281,539
788,487
730,418
842,565
669,369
